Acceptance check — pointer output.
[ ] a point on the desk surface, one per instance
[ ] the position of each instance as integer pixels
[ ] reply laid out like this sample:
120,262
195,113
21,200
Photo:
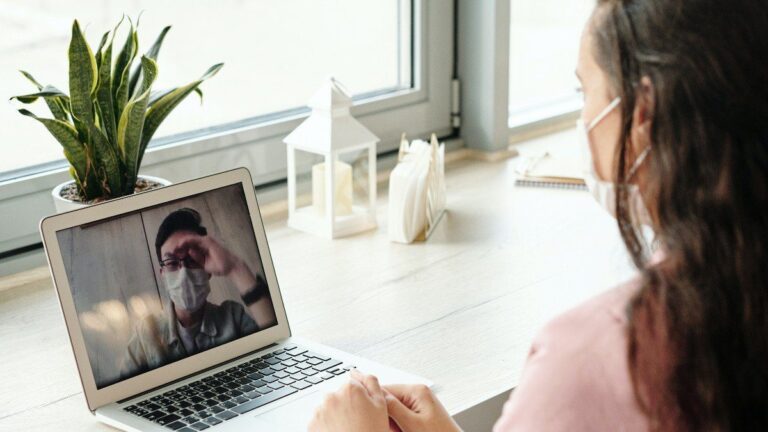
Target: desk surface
461,309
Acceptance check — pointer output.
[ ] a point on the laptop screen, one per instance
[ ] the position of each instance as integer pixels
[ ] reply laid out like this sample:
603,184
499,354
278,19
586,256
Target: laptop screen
157,285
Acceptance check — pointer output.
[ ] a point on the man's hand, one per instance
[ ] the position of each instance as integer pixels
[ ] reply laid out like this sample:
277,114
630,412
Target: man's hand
415,409
216,260
358,406
212,256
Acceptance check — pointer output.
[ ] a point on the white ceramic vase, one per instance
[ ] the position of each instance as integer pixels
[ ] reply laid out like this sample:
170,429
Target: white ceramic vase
64,205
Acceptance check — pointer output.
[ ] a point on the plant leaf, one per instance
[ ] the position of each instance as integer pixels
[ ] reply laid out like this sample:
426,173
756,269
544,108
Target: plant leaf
98,50
166,103
47,91
123,57
108,170
88,187
59,106
104,96
152,53
67,136
73,174
82,76
32,79
154,50
149,74
156,95
131,126
122,70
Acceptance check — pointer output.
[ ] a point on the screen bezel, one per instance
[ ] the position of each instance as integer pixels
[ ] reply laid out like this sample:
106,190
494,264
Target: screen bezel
127,388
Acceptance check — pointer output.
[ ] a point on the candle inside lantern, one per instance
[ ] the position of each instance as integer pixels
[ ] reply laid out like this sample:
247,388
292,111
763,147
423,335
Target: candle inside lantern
342,183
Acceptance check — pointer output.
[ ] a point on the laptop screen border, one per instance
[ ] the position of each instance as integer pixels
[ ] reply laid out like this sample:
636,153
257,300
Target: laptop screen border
180,369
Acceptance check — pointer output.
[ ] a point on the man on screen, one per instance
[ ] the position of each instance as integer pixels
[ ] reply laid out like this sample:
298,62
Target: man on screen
188,258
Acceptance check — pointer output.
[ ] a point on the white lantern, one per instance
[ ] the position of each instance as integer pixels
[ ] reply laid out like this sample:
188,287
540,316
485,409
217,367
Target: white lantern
332,132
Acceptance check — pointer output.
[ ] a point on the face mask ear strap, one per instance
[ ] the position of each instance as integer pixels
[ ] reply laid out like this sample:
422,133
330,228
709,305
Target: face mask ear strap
612,106
638,162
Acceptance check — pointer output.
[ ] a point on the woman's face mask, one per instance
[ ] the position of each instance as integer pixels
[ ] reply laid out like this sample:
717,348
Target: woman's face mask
605,191
188,288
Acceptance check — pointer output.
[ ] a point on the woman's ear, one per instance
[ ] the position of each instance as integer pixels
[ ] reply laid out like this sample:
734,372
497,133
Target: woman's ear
642,117
645,104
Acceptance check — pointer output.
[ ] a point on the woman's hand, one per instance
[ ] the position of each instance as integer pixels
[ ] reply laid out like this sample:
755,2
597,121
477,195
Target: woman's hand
358,406
415,409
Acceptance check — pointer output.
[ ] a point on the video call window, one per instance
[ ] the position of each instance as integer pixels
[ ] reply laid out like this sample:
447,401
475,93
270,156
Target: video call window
158,285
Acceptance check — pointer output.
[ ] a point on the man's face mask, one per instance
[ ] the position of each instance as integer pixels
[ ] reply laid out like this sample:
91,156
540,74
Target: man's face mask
188,288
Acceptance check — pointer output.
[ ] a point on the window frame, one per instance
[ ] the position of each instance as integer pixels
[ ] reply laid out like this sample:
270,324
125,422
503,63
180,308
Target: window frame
546,118
257,143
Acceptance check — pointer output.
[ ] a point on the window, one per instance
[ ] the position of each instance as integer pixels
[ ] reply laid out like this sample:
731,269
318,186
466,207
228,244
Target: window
544,44
276,53
394,56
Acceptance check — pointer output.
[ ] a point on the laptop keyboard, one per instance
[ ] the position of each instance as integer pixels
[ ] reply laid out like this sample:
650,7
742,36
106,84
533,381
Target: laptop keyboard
239,389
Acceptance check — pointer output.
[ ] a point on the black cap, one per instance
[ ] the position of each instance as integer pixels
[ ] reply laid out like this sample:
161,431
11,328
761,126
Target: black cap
184,219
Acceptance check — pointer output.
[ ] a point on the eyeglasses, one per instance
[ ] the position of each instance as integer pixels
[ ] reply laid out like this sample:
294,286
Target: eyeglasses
174,264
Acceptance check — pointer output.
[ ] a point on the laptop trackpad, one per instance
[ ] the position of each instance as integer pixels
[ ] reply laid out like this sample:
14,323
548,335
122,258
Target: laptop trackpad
294,416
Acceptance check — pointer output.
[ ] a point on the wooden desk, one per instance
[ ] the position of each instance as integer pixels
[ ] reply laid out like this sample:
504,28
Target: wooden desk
460,310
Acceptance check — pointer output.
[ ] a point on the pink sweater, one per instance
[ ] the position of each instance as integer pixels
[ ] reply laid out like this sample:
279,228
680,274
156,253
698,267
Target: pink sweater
577,377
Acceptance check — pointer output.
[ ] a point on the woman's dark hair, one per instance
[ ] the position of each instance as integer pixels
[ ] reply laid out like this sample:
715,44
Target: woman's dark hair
698,331
184,219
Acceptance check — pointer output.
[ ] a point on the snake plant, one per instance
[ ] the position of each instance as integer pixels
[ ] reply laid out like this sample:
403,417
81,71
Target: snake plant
111,112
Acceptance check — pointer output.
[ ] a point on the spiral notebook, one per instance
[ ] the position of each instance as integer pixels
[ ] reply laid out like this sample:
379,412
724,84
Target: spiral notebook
550,171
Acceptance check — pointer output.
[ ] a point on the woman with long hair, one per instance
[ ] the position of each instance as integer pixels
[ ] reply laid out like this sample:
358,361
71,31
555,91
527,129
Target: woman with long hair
675,119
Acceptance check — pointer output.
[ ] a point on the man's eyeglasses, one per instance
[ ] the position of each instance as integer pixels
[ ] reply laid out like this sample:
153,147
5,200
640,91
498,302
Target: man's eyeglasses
174,264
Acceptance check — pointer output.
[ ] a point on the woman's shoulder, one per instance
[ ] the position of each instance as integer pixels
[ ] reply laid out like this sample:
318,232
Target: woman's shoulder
603,313
577,371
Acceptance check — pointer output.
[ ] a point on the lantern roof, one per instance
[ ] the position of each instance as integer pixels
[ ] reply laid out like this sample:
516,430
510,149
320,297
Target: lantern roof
330,126
331,96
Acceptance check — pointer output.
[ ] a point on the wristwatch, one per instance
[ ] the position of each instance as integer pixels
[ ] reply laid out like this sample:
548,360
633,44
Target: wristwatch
258,291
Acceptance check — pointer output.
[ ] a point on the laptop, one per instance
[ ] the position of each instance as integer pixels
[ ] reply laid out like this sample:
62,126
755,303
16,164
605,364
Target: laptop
175,315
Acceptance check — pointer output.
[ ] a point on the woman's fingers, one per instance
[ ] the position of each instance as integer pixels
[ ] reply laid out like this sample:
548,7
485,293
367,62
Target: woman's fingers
393,426
398,390
409,394
415,407
407,405
399,413
370,382
355,388
351,408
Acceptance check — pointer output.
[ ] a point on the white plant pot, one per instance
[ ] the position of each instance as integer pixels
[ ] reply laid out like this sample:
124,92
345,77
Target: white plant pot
64,205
